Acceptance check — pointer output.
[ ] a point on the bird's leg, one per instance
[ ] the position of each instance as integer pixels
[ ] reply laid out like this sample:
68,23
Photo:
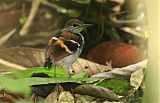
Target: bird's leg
69,73
73,94
54,66
48,63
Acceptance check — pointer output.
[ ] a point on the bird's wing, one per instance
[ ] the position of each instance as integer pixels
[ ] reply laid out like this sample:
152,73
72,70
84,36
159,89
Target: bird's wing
58,48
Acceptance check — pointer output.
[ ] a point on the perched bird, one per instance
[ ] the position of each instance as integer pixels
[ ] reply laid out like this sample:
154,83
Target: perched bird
65,46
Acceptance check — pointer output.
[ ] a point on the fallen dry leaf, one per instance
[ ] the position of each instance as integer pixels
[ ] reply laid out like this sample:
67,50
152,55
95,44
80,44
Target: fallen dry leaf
18,58
125,71
84,99
55,95
7,97
26,57
66,97
96,91
137,78
90,67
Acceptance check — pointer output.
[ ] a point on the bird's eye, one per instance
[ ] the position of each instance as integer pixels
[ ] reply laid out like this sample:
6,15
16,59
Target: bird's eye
75,25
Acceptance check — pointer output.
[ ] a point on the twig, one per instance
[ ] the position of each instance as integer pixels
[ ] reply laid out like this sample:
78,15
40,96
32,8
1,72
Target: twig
13,65
116,23
118,1
4,38
58,8
7,6
132,22
33,11
133,32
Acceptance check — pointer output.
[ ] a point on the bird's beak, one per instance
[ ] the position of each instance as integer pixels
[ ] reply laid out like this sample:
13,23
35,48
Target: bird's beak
87,25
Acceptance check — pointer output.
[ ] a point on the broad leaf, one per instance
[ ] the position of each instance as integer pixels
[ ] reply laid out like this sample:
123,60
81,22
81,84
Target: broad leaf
119,86
29,72
15,86
80,75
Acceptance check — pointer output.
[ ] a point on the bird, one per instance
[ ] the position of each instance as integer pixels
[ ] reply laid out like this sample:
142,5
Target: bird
65,46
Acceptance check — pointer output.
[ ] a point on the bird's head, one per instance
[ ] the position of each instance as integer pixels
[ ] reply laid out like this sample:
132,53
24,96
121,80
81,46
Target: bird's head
75,26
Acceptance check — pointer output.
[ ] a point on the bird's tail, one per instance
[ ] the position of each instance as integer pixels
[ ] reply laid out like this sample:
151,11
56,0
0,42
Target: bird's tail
47,63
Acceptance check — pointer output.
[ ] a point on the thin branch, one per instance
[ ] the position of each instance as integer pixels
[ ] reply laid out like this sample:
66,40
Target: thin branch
12,65
58,8
132,22
34,8
33,11
4,38
133,32
118,1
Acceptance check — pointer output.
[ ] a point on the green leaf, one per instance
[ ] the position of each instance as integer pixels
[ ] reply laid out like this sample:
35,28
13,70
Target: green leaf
118,85
60,72
23,101
20,82
23,19
39,80
15,86
80,75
